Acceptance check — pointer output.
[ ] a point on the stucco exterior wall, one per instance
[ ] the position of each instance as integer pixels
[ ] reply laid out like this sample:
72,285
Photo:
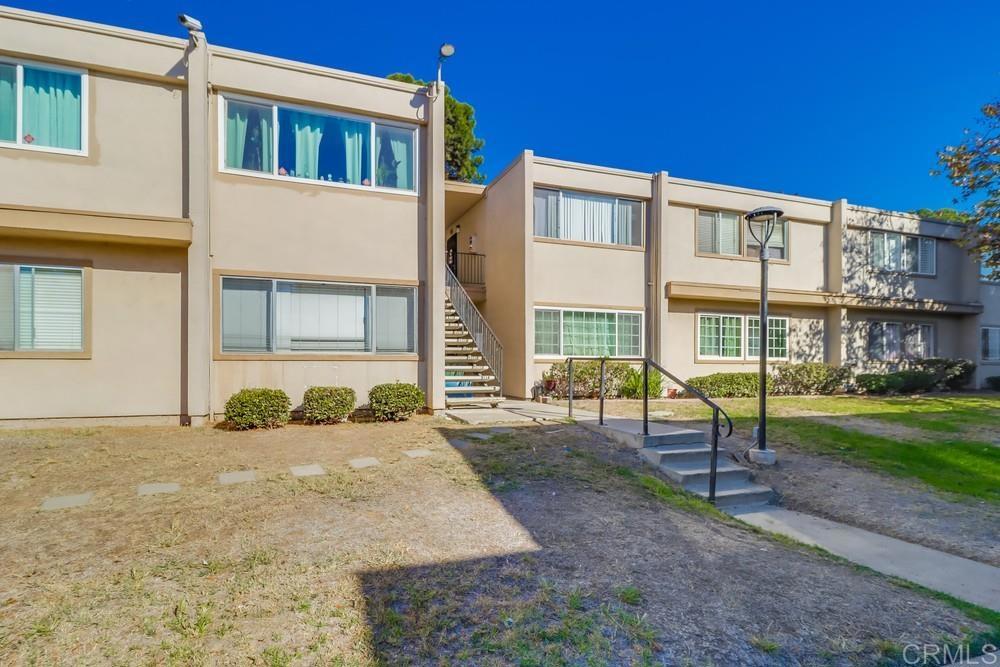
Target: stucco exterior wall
135,161
951,339
806,335
990,295
134,369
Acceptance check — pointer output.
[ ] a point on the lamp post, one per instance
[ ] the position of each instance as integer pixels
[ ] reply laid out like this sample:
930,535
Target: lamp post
760,223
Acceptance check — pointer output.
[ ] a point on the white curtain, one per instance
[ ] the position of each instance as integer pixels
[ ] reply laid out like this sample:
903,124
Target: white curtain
246,315
587,217
395,319
50,309
317,317
6,307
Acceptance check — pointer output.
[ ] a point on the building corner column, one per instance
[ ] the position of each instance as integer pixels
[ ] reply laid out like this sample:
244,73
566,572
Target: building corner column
196,406
434,351
837,323
657,289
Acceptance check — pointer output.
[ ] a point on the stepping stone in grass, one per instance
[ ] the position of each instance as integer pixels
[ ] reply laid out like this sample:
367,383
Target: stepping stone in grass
364,462
65,502
156,487
237,477
311,470
417,453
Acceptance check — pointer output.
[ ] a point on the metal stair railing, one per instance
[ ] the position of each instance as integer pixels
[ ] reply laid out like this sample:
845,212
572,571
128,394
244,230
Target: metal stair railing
483,336
646,362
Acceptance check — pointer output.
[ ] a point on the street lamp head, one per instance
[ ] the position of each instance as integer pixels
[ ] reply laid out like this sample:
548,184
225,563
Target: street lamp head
761,222
446,51
764,213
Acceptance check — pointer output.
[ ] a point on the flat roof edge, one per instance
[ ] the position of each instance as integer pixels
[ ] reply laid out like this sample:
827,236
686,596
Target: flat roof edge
89,26
592,167
748,191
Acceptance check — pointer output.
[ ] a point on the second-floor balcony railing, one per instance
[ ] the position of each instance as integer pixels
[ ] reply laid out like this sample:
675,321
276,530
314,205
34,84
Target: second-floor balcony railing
469,268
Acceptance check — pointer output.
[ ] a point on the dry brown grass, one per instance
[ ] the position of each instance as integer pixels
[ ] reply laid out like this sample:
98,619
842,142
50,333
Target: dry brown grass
511,551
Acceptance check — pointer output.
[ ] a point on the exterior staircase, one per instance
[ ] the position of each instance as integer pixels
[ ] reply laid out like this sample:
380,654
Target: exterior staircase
473,356
683,456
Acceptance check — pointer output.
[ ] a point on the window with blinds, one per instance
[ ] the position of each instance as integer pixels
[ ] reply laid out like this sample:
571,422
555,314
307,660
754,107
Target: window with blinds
991,343
902,253
588,333
262,316
776,245
718,233
581,216
41,308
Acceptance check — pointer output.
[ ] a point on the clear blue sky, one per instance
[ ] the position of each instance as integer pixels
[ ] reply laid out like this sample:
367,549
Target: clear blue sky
824,99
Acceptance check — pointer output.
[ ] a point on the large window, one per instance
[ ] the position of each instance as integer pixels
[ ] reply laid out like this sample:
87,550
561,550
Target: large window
737,337
893,341
42,107
578,216
261,316
588,333
291,142
902,253
723,233
41,308
991,343
776,245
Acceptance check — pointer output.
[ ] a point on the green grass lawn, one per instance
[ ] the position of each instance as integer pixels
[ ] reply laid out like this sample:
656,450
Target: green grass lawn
946,441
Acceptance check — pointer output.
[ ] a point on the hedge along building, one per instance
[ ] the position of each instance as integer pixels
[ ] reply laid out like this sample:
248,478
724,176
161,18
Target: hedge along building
179,221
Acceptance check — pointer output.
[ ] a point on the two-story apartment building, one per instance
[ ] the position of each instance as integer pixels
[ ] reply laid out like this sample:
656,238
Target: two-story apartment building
180,220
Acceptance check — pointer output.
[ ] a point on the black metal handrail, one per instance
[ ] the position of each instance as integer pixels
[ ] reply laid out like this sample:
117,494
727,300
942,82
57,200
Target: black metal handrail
688,389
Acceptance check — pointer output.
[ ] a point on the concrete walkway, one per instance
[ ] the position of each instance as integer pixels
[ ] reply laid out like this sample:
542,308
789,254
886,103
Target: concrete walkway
512,412
966,579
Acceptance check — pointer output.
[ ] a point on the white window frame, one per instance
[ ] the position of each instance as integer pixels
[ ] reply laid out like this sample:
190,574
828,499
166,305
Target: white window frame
746,337
917,270
931,344
990,332
16,302
372,314
614,223
740,231
275,176
901,355
562,350
18,143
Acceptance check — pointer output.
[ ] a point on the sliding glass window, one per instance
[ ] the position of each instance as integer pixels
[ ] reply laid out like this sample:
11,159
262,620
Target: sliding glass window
307,144
579,216
262,316
41,308
42,107
588,333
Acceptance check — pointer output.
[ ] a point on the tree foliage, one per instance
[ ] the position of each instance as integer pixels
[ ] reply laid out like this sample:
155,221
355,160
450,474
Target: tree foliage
973,166
461,145
943,215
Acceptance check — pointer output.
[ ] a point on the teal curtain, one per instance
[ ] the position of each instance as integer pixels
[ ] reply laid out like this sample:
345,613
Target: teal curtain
249,139
394,151
8,103
307,129
355,145
52,109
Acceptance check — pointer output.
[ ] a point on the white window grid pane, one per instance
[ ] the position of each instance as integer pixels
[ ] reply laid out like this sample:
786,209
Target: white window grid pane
709,336
629,334
547,332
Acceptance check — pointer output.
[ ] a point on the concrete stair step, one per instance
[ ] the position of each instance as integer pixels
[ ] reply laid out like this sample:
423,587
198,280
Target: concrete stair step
698,472
678,453
470,378
473,402
488,389
468,368
628,432
461,357
730,495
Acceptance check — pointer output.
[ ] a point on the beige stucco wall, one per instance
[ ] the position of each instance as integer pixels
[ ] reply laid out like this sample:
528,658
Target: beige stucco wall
805,336
135,162
135,364
956,278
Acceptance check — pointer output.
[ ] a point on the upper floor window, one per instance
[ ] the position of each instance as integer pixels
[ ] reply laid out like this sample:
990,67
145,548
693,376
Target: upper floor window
588,333
991,343
41,307
898,252
261,316
723,233
42,107
578,216
291,142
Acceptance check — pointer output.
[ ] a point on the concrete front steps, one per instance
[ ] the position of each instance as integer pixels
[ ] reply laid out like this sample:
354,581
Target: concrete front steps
683,456
469,381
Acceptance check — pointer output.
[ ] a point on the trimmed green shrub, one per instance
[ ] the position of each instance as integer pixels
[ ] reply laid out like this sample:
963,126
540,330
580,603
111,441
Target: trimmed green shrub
328,405
993,382
914,381
730,385
809,378
258,408
632,384
879,383
951,374
395,401
587,378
